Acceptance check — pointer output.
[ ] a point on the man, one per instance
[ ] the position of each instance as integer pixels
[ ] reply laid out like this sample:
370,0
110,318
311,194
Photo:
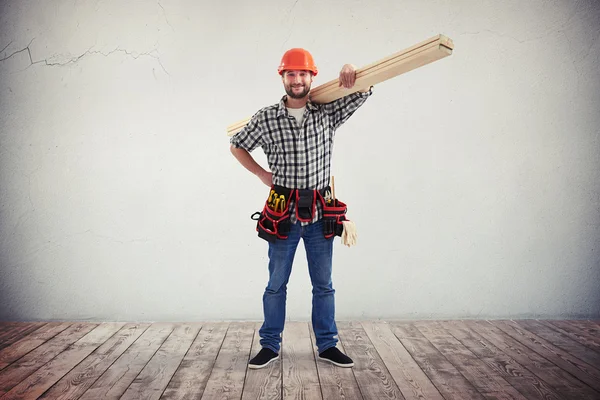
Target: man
297,138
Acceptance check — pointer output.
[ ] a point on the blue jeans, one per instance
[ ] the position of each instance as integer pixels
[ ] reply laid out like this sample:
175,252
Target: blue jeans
319,252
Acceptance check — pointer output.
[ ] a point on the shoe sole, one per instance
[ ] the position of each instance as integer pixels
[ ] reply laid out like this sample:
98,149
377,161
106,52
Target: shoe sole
256,366
338,364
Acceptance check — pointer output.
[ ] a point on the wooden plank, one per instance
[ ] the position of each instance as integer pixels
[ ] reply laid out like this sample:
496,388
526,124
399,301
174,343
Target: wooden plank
416,56
4,325
42,379
229,371
410,378
561,358
587,326
336,382
154,378
383,72
566,343
265,383
574,333
503,365
448,380
17,331
13,352
374,379
300,377
81,378
482,377
12,375
192,375
117,378
587,329
8,326
566,384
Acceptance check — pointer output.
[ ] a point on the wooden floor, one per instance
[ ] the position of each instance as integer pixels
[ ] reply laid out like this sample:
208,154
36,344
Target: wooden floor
525,359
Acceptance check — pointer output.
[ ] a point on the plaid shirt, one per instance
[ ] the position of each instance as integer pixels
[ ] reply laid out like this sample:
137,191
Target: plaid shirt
299,156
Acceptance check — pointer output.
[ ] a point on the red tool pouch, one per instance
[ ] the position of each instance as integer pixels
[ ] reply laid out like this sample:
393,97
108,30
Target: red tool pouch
271,223
334,214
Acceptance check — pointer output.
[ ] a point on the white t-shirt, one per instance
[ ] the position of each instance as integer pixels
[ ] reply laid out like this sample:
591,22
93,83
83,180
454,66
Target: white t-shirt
297,113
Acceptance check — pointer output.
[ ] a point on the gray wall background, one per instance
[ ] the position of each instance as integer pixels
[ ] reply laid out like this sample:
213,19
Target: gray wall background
474,181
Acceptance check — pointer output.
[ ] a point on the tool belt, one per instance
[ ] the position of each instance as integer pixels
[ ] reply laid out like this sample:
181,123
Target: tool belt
273,222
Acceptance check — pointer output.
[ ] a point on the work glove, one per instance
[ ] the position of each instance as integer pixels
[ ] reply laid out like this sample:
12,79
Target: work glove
349,233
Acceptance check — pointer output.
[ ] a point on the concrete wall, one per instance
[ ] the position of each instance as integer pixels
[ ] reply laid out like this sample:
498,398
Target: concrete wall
474,181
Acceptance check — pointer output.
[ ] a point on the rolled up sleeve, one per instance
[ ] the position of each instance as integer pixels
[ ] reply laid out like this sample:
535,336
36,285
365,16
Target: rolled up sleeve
250,137
341,109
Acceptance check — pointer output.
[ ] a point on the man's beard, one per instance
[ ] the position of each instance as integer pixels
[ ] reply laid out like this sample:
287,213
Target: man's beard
294,95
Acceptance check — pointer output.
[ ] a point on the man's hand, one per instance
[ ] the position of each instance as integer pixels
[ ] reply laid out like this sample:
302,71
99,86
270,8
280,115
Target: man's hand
348,76
266,177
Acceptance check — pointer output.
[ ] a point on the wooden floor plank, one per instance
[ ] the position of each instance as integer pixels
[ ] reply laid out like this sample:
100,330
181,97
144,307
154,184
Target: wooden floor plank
17,331
587,329
229,372
410,378
514,373
336,383
264,383
449,381
117,378
480,375
300,377
78,380
5,326
42,379
564,342
18,349
154,378
572,332
8,328
553,354
191,377
12,375
374,380
565,383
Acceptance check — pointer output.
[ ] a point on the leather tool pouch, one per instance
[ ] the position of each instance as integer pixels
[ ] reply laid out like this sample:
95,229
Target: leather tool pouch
274,223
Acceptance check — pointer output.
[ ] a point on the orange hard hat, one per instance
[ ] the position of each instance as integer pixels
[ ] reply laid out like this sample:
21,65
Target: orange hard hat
297,58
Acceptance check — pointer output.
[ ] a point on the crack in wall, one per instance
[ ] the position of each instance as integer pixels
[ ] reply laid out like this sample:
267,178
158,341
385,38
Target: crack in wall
1,51
73,60
165,15
18,51
291,27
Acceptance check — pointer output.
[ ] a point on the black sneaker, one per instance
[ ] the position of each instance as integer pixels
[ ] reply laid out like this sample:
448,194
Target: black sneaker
263,358
336,357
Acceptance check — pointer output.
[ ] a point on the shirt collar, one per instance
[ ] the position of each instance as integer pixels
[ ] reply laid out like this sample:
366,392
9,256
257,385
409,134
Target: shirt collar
282,110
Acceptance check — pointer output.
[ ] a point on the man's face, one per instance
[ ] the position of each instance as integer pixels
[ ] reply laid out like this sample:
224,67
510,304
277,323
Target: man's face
297,83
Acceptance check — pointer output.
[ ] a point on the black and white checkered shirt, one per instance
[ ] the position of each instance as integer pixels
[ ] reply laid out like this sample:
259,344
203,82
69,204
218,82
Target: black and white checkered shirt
299,156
